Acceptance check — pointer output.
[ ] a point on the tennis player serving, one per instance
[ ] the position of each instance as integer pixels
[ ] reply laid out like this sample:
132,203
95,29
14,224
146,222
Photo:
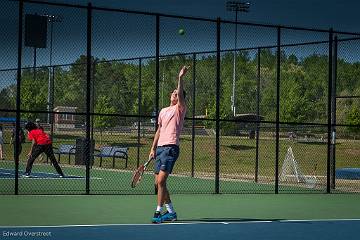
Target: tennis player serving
165,148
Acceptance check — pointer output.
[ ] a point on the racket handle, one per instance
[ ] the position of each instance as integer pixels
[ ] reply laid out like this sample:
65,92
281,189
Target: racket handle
147,163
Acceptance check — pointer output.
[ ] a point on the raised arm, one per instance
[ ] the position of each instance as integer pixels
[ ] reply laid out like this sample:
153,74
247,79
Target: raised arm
180,88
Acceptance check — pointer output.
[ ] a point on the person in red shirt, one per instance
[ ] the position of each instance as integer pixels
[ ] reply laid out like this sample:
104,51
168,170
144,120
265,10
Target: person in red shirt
41,143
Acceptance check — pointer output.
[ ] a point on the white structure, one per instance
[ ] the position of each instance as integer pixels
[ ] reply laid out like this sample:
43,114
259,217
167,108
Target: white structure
64,120
291,172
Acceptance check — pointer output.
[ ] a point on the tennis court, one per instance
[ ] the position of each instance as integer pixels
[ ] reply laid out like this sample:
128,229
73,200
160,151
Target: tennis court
226,216
109,181
203,216
276,159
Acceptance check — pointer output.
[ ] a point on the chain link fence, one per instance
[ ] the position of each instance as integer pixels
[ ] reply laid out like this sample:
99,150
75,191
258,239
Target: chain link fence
271,109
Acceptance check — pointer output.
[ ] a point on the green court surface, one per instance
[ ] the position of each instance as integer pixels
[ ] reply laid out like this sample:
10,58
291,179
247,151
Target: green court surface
116,181
40,210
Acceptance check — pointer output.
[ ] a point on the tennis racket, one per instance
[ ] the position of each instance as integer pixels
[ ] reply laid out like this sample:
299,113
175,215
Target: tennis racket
139,172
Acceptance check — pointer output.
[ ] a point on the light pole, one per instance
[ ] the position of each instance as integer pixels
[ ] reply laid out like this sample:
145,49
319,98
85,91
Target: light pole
236,6
162,89
52,19
163,81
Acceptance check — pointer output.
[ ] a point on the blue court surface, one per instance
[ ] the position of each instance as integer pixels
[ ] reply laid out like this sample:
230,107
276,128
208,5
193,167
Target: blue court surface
348,173
347,229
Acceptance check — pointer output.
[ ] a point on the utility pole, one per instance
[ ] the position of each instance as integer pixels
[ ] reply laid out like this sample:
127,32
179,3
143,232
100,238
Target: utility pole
236,6
51,19
163,80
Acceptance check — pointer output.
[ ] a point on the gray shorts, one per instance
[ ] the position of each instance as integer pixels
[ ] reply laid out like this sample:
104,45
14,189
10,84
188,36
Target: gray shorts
166,157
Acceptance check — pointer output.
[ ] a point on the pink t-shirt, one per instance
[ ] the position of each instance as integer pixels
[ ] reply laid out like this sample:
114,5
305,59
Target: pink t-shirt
171,121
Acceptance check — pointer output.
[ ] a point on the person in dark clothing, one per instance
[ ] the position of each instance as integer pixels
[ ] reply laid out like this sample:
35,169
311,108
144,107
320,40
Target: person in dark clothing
21,137
38,125
41,143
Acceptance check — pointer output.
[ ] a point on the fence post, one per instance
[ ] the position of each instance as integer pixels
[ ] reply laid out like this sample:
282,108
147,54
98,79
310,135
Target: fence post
330,82
258,114
157,70
18,99
217,118
88,89
92,104
333,113
139,113
157,73
278,56
51,101
193,117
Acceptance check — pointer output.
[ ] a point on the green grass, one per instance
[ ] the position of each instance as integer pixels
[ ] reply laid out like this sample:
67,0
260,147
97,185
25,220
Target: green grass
237,164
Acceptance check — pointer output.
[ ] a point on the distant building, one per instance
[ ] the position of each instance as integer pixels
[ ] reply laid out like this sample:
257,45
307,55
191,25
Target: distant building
64,120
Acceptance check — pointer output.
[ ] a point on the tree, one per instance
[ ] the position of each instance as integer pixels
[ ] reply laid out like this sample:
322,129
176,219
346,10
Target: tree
303,87
102,121
353,118
294,106
34,91
8,98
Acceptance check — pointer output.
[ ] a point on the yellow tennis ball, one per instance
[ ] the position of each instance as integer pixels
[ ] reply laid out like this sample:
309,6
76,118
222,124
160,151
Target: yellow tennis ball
181,31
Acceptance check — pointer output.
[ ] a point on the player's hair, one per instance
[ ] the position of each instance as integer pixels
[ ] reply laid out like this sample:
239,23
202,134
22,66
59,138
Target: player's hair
184,93
30,126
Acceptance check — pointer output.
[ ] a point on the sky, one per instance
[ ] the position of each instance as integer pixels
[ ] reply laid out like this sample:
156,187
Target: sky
123,35
339,14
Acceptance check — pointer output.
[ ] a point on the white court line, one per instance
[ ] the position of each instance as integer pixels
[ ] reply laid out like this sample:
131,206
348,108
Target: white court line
77,177
4,173
64,178
183,223
51,178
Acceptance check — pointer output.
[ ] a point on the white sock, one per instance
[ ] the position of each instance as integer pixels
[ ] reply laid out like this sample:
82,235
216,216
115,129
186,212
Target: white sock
158,209
169,207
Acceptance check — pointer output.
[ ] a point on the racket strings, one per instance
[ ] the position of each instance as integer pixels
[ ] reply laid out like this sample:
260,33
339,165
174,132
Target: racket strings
137,176
138,173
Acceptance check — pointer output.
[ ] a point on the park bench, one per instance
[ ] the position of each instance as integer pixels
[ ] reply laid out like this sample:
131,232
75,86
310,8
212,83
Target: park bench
113,152
65,149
